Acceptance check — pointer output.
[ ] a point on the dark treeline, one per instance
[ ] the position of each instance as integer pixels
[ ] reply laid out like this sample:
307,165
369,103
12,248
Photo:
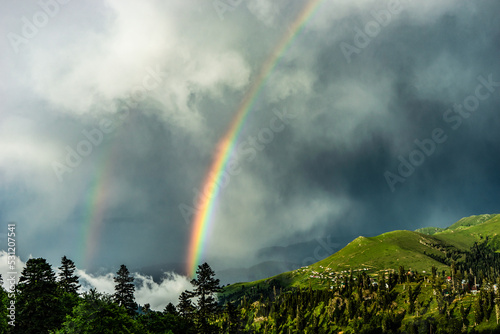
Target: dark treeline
464,299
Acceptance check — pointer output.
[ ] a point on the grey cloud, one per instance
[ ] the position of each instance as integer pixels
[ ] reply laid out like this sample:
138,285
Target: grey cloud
322,175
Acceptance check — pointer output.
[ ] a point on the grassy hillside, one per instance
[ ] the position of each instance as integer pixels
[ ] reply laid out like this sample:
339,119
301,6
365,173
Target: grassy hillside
388,251
378,255
429,230
470,221
468,230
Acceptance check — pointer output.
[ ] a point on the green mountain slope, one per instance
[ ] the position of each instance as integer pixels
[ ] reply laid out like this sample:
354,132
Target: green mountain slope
429,230
470,221
468,230
463,223
410,249
377,257
387,251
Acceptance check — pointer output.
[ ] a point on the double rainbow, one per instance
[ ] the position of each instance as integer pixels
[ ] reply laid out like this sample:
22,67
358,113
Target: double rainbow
203,218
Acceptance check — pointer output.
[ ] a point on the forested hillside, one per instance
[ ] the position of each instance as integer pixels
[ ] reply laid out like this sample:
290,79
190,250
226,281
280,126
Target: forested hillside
398,282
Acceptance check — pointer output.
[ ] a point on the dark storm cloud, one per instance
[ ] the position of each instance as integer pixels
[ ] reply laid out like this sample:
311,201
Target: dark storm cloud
321,174
465,164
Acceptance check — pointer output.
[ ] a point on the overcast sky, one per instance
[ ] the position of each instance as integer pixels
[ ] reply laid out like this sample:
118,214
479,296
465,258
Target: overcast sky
393,117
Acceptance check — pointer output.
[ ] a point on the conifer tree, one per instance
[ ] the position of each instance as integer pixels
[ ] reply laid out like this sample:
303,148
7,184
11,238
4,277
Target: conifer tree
464,313
68,281
478,310
97,313
412,297
206,286
497,300
233,319
497,308
170,309
38,306
402,274
124,290
185,306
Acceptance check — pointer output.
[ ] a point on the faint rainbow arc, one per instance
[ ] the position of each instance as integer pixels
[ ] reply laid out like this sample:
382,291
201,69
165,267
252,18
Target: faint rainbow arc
95,206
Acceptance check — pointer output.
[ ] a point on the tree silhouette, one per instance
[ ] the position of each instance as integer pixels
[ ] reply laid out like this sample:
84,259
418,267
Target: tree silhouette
38,305
124,290
206,286
68,281
97,313
185,306
233,319
170,309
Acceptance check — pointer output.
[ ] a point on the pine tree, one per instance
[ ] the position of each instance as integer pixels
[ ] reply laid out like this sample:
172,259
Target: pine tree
497,309
233,319
464,313
68,285
412,297
170,309
206,286
124,290
68,281
402,274
38,306
478,310
185,306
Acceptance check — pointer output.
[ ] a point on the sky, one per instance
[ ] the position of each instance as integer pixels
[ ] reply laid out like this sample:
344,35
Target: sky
379,115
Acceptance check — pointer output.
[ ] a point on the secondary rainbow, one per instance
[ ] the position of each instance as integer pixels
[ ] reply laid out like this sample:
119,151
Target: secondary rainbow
203,218
95,206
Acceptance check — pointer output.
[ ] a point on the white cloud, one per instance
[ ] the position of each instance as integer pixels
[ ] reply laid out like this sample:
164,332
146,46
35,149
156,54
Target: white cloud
103,283
157,294
5,265
110,61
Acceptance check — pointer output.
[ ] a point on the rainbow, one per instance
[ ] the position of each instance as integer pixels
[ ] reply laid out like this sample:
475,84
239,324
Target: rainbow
203,217
95,205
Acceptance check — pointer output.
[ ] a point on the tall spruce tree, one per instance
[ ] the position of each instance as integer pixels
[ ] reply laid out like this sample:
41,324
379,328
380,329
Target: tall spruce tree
206,286
170,309
124,290
68,281
68,285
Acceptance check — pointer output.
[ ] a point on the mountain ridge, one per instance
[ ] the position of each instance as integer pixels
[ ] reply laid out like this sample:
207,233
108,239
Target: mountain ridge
412,250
